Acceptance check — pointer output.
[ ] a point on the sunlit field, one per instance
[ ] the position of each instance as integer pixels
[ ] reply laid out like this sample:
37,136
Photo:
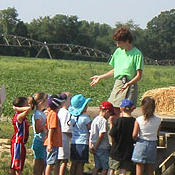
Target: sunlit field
25,76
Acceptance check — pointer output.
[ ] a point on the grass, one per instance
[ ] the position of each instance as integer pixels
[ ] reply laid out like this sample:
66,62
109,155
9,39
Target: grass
25,76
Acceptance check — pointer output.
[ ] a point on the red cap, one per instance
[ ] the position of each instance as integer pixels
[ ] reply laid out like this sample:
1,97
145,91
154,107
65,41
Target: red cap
107,105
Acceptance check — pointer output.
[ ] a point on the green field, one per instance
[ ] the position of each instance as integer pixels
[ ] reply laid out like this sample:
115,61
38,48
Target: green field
25,76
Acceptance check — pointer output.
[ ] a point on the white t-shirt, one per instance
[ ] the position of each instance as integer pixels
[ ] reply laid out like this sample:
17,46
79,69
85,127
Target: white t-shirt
148,128
99,125
64,151
64,116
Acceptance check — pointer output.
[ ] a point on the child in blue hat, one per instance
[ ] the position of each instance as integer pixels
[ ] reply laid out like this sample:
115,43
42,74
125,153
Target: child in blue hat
122,141
80,123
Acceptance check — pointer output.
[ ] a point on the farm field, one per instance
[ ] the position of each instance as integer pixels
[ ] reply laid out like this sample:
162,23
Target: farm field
25,76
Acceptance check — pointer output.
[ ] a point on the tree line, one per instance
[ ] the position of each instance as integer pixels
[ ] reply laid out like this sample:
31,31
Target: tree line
157,41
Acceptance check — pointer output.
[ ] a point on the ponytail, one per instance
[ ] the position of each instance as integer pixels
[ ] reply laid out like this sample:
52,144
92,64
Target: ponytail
35,99
32,102
148,107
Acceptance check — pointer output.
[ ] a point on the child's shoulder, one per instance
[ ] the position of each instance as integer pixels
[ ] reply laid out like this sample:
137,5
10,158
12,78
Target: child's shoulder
38,113
15,119
124,119
99,118
157,119
140,117
84,115
51,113
63,110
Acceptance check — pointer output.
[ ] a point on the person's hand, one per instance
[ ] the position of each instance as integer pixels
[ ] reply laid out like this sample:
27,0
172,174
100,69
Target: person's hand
124,87
15,108
92,150
49,148
95,79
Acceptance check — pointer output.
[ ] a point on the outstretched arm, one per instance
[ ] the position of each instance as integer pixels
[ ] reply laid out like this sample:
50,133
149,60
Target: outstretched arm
95,79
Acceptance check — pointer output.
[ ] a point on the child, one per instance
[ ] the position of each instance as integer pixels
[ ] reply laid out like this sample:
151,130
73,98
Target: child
39,101
122,146
64,152
80,135
54,138
99,143
146,129
20,136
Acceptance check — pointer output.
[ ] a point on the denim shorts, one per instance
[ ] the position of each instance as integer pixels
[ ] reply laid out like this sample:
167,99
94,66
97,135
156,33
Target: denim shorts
52,156
79,153
101,158
39,149
145,151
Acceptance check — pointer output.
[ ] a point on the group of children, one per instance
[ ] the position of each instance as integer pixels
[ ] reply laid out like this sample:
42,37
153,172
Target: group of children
59,118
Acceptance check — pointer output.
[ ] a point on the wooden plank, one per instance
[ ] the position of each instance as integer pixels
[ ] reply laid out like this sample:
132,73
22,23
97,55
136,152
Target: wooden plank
170,170
167,167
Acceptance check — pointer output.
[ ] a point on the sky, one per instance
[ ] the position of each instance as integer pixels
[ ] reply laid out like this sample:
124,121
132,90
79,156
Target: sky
102,11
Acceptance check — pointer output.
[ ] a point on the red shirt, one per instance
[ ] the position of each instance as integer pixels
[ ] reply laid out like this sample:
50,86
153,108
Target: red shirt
21,130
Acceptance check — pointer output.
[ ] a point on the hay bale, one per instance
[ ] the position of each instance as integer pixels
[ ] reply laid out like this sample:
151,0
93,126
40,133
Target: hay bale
164,98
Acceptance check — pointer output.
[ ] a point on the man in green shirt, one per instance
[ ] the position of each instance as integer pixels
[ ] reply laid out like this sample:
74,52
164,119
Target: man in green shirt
127,62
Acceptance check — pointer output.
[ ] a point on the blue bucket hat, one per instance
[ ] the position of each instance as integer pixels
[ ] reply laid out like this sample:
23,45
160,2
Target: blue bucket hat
127,103
78,102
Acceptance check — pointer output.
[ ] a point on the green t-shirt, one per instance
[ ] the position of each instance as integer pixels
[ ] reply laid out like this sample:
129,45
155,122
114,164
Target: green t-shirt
126,62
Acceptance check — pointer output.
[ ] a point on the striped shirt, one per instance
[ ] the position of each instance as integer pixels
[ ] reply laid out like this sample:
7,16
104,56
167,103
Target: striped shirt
21,130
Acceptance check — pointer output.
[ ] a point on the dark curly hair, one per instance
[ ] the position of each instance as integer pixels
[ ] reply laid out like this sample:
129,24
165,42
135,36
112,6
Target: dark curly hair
19,101
123,34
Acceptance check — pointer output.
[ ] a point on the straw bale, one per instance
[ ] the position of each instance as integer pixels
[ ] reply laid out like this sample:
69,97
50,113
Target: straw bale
164,98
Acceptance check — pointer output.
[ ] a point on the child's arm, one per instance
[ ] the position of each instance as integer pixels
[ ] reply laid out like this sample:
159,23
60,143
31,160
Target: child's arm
38,126
50,135
135,131
68,133
100,137
91,148
21,109
23,114
89,125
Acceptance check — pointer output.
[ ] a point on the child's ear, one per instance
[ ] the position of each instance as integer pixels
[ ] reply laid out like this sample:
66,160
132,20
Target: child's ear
132,108
107,111
121,108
